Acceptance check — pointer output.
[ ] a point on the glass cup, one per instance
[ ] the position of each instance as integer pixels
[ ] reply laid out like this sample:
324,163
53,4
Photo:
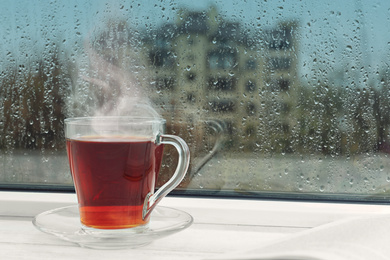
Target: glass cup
115,162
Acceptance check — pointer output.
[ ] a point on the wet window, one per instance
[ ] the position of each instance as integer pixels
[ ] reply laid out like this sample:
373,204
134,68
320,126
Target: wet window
167,83
285,99
250,86
221,59
279,63
161,58
221,83
222,106
251,64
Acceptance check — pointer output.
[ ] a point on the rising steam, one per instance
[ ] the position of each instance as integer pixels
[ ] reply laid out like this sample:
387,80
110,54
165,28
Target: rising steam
109,87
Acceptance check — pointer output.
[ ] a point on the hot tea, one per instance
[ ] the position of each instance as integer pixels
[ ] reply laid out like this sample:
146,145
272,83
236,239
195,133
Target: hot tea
114,161
113,176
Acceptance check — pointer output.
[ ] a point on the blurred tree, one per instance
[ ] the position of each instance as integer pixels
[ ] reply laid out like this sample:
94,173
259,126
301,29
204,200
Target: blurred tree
32,97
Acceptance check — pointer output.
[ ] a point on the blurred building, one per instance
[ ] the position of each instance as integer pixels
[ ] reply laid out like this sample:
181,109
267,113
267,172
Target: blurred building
207,68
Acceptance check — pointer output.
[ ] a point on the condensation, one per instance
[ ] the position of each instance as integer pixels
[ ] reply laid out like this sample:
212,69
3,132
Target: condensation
273,97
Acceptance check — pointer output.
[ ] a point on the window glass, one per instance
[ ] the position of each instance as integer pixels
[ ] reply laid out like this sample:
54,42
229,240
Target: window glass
286,99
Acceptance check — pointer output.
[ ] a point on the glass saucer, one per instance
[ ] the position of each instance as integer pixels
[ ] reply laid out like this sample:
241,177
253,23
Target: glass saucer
65,224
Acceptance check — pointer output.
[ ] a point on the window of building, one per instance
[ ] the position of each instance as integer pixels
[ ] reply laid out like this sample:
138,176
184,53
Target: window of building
222,106
279,84
284,84
251,108
251,64
222,84
191,76
250,130
161,58
279,38
279,63
319,92
191,97
221,59
250,86
165,84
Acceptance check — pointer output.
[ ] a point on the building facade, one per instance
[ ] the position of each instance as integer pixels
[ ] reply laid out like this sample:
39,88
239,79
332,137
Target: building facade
209,69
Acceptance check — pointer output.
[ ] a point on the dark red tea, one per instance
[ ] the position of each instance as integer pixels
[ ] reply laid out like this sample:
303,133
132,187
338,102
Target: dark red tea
112,177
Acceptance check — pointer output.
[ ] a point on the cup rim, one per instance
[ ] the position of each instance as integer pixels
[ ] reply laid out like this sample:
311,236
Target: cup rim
88,120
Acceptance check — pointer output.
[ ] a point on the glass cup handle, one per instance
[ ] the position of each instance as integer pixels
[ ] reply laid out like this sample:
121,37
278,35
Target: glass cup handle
151,199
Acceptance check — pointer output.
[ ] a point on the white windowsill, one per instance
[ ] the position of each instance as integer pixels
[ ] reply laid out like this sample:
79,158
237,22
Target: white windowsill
220,226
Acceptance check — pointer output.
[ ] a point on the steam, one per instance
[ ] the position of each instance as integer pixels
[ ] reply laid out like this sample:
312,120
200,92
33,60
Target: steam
106,88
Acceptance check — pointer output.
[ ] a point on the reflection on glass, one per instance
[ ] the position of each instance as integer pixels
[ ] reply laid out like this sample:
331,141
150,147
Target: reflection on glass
274,99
